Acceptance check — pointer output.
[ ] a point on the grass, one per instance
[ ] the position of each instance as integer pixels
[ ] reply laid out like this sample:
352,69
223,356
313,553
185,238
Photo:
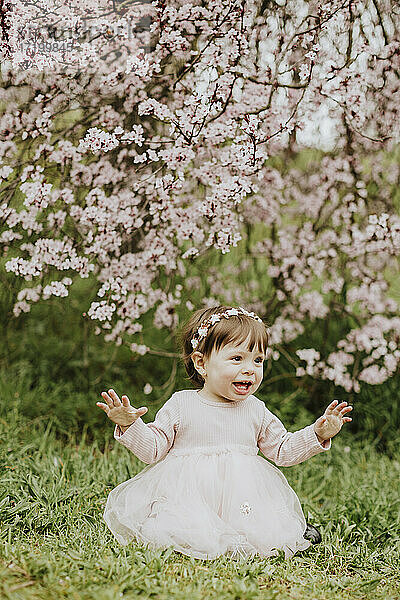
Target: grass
55,544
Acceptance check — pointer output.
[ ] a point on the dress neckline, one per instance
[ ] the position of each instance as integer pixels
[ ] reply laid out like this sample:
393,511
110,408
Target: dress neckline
216,403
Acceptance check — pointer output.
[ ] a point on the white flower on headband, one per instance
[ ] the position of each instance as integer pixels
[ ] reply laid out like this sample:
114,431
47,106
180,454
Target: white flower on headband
214,319
231,312
202,331
250,314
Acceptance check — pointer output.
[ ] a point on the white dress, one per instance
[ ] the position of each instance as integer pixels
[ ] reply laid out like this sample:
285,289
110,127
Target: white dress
205,490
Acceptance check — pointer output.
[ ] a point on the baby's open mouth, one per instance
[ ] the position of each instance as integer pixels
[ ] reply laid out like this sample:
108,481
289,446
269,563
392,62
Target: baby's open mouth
242,385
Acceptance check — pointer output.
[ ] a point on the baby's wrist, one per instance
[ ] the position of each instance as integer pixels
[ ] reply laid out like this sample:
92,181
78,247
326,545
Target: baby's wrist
319,438
123,428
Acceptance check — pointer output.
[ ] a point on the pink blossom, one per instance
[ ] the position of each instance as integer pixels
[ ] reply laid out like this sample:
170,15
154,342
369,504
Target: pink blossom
144,154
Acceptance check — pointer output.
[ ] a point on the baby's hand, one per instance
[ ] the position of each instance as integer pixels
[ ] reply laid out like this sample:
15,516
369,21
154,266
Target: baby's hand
332,420
122,414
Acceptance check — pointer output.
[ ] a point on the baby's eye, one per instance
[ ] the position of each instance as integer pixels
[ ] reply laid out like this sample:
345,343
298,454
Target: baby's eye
260,360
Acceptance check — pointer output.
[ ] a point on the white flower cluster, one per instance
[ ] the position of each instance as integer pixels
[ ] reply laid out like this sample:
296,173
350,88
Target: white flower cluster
225,239
372,297
285,330
161,111
47,252
24,297
134,136
5,171
386,230
34,294
7,236
165,314
173,42
56,220
308,354
24,268
138,65
312,303
336,372
370,339
101,310
56,288
116,286
37,194
96,140
139,348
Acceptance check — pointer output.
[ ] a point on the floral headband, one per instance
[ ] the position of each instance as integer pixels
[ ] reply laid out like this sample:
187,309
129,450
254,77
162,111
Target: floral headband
202,331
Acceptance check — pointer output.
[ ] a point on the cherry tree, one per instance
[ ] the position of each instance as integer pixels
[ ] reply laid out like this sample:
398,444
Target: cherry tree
138,139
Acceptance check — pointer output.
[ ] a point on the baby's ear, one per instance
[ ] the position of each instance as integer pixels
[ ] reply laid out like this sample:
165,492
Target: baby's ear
198,362
197,357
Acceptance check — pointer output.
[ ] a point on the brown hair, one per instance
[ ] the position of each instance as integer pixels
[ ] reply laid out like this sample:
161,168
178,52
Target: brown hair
235,329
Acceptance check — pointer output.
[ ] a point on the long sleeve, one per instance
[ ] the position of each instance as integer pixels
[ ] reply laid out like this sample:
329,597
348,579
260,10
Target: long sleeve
150,442
285,448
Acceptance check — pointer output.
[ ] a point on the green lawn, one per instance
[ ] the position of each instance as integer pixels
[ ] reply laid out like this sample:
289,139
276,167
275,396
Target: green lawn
54,543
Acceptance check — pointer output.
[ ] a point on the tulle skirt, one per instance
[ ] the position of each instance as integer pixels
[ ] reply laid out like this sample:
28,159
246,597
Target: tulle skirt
206,504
